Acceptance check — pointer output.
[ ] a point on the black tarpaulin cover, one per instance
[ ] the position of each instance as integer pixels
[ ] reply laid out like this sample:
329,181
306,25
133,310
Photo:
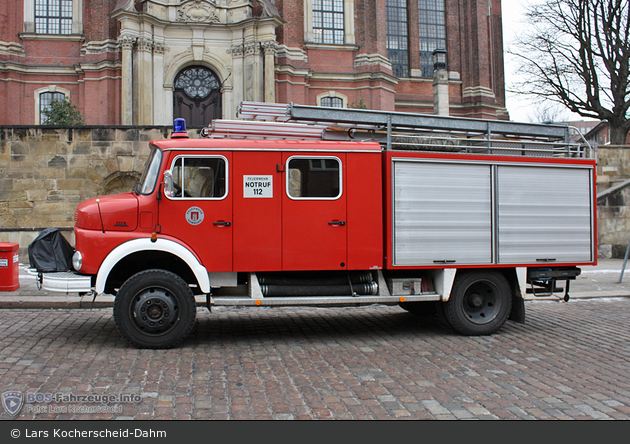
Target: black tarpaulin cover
50,252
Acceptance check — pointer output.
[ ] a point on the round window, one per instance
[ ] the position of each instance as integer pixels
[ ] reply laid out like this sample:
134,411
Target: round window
197,82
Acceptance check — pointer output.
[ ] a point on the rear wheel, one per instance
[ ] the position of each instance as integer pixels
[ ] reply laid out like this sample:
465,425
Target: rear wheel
154,309
480,303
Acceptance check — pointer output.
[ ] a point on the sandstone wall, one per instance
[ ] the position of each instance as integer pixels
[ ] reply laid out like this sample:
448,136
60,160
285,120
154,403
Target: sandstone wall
46,171
613,211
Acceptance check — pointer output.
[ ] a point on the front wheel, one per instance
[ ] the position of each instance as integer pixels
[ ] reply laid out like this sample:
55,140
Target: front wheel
154,309
480,303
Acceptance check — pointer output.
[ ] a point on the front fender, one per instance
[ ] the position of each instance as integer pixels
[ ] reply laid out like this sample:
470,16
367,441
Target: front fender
145,244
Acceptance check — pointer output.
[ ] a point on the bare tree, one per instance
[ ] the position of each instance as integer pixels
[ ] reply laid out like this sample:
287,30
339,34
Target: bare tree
577,53
546,113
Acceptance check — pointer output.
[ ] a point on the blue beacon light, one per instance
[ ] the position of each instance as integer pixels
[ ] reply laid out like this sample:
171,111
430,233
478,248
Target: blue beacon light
179,129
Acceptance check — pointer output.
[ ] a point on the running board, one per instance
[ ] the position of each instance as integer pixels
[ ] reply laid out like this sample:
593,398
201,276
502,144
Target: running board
318,300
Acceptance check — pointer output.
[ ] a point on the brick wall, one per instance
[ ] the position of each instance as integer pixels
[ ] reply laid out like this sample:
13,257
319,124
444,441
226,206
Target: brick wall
46,171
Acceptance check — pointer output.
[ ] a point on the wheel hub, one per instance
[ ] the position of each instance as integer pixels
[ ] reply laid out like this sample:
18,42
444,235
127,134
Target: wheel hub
476,300
481,302
154,310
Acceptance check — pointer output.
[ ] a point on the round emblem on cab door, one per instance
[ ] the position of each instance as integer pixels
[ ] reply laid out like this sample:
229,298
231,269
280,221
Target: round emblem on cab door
194,215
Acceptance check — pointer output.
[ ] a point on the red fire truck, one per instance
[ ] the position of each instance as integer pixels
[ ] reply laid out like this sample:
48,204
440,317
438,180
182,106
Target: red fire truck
311,206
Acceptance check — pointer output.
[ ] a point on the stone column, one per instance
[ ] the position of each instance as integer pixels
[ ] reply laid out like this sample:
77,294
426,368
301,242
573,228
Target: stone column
159,111
238,96
253,72
126,103
144,85
269,49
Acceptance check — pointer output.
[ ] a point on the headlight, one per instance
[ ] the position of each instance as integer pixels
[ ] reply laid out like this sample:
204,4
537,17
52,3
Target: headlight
77,260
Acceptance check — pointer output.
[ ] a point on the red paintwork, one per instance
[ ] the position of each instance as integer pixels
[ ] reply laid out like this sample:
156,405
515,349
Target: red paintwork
267,234
212,243
118,212
266,145
96,245
309,242
364,188
257,223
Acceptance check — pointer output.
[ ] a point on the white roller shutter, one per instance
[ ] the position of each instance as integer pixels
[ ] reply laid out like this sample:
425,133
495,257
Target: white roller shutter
442,213
544,214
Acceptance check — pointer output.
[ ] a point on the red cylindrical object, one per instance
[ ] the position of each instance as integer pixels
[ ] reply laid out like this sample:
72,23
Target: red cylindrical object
9,266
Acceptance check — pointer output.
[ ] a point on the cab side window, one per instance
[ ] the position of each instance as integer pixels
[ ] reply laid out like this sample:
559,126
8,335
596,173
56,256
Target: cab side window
314,178
199,177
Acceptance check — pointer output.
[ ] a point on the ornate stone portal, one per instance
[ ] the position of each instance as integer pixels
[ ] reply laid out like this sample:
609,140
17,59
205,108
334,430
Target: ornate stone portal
197,96
159,39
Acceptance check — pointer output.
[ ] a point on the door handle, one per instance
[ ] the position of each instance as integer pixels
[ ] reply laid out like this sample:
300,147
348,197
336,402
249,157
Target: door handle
337,222
222,224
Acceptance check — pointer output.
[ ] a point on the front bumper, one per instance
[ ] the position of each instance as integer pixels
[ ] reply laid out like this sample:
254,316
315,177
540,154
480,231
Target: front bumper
67,282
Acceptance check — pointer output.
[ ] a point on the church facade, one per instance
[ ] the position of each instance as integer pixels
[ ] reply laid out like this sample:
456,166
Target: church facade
146,62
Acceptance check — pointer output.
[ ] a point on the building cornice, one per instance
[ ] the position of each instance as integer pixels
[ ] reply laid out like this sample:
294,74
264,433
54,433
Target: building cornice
54,37
291,53
205,16
12,48
54,70
372,60
330,47
100,47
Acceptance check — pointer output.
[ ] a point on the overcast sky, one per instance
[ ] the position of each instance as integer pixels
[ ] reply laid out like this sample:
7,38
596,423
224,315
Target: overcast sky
513,14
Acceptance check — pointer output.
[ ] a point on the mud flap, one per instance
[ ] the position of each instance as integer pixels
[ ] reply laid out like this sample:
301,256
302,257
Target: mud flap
518,309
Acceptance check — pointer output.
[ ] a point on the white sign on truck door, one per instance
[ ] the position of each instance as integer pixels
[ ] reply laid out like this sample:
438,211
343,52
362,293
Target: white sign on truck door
257,186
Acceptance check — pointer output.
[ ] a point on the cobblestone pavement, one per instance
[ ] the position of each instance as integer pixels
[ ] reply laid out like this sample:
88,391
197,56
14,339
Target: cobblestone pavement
569,361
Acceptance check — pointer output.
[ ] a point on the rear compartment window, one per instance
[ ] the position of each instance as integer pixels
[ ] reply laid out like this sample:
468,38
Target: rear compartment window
199,177
314,178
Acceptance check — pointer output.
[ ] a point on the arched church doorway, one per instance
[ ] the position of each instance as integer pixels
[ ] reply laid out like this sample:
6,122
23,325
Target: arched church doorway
197,96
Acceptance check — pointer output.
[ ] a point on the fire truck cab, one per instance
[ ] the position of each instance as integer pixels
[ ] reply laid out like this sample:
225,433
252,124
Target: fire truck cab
298,213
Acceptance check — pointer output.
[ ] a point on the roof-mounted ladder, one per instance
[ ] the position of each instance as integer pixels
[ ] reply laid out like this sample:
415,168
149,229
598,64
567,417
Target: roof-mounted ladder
397,130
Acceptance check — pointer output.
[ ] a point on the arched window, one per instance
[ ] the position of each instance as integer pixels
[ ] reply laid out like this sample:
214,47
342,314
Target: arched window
335,102
332,99
197,96
44,103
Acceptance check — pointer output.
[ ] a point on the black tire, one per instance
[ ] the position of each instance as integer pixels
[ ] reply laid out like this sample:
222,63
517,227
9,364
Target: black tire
154,309
480,303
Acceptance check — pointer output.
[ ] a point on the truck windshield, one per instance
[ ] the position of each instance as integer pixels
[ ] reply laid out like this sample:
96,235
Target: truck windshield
150,174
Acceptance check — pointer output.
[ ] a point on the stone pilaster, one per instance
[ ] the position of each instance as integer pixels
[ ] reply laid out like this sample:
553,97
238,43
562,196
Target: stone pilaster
126,44
143,73
269,49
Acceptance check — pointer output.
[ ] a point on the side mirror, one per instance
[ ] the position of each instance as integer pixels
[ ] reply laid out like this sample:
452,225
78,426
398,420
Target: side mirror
168,183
